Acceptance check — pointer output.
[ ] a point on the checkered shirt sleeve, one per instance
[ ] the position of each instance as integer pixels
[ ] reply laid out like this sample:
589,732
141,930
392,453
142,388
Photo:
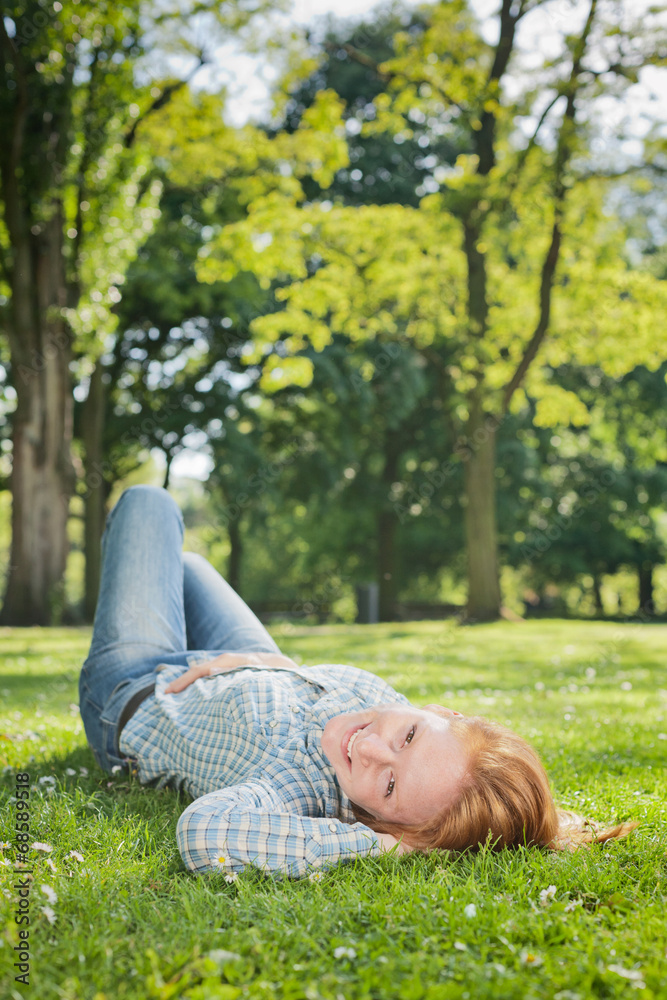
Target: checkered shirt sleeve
249,824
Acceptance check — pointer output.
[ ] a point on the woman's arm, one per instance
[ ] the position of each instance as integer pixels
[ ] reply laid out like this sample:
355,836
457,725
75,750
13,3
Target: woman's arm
225,662
249,824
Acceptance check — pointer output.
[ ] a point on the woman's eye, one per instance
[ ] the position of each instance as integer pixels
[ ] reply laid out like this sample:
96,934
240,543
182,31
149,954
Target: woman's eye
408,739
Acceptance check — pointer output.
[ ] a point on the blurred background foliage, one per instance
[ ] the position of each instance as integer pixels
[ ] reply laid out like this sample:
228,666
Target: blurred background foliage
411,323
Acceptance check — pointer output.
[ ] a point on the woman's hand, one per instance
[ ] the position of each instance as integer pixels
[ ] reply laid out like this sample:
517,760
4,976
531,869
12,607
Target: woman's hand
387,843
223,664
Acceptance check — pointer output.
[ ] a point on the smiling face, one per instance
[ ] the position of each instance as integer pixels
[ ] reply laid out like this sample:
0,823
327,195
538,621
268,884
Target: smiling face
399,763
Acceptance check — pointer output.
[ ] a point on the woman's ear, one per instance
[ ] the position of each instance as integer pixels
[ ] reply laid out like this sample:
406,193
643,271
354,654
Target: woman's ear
441,711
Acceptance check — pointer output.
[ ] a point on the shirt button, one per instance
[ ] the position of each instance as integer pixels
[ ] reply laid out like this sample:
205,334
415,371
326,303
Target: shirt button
296,708
333,827
273,723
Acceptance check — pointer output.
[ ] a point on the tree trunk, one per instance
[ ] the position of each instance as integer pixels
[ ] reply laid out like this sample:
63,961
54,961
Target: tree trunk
387,566
167,472
386,537
480,518
597,596
646,603
235,554
92,430
480,457
42,473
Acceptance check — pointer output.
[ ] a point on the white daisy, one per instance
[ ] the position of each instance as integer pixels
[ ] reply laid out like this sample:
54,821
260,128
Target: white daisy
634,975
547,895
345,953
49,893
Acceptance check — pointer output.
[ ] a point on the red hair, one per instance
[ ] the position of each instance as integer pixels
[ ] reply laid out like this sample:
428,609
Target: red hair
504,800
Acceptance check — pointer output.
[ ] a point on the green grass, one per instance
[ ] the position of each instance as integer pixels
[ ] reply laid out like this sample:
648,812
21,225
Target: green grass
131,923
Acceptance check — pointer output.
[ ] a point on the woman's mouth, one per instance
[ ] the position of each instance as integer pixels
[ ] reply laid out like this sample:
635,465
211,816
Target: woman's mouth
348,742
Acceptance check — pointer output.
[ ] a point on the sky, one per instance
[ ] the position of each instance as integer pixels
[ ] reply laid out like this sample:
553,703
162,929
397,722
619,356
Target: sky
304,10
248,80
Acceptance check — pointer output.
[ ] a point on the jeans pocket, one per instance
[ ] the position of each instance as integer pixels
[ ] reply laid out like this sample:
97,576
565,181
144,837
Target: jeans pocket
86,693
109,722
130,689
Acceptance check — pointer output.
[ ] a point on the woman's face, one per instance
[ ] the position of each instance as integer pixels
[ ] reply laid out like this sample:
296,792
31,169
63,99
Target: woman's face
401,764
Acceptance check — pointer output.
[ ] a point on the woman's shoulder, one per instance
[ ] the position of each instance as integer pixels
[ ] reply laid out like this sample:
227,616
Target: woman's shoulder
359,680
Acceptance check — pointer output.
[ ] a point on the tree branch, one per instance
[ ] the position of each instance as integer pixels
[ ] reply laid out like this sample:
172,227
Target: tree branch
546,286
485,137
563,154
505,42
168,92
386,77
614,175
523,155
627,72
356,55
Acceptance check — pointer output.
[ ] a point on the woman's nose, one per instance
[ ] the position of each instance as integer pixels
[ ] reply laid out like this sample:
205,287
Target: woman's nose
373,748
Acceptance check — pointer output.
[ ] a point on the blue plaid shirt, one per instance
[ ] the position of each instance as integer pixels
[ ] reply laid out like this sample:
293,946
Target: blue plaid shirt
247,746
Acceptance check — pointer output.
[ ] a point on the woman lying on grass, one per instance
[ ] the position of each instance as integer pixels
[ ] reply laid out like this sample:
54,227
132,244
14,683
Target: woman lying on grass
291,768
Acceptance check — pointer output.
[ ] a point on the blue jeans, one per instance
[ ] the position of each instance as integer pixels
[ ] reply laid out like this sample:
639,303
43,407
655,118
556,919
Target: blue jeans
157,604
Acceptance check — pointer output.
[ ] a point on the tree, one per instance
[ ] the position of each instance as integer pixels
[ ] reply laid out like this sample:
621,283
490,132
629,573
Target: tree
591,497
306,480
155,384
469,276
363,411
77,202
389,416
163,374
40,55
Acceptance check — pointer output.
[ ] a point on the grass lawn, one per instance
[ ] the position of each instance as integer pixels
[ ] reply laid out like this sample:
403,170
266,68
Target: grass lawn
121,918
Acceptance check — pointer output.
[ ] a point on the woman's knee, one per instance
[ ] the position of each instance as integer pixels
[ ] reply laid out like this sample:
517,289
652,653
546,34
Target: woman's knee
151,499
142,506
